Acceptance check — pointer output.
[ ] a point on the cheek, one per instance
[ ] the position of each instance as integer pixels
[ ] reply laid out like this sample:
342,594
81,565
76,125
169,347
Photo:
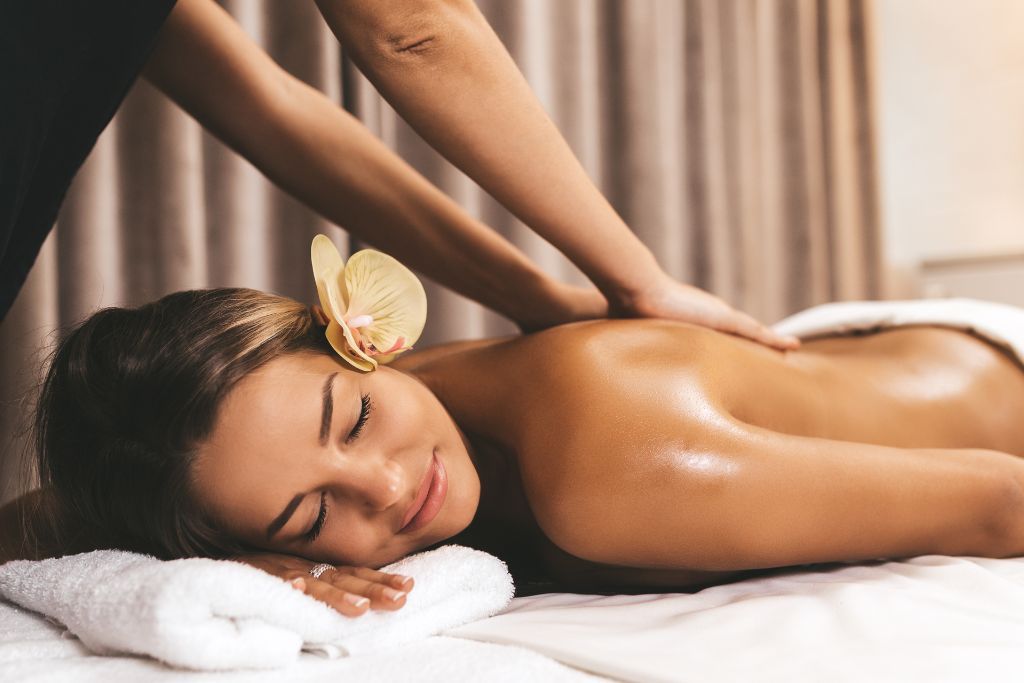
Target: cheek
409,411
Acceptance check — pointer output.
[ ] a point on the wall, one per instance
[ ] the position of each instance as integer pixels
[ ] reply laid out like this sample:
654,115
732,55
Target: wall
951,127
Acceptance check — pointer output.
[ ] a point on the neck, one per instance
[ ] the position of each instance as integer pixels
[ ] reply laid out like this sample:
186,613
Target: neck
481,389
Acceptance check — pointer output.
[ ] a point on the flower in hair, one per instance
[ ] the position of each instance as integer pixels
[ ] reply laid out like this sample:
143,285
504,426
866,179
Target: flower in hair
375,306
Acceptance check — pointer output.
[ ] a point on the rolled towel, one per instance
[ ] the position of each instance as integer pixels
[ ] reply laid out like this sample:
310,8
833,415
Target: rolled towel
1001,324
217,614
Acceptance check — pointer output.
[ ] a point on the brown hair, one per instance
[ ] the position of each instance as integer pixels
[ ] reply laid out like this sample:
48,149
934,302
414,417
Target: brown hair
129,396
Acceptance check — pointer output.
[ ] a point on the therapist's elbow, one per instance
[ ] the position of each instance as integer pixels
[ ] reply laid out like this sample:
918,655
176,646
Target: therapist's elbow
422,30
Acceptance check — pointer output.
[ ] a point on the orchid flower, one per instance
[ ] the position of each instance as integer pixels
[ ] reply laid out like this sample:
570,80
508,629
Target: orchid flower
375,306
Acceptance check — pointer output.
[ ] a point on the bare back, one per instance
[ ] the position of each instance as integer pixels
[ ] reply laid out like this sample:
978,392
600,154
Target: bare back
616,409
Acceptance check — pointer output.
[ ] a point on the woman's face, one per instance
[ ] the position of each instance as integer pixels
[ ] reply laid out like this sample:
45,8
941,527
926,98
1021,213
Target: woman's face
305,435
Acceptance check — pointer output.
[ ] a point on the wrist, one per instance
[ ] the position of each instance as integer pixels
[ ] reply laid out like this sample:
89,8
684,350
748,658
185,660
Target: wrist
557,303
637,284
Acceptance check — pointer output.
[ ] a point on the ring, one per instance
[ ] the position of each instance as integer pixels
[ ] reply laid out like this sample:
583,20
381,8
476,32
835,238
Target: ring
319,569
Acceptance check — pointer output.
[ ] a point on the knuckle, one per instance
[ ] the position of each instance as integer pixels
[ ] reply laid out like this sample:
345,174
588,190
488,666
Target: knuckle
369,574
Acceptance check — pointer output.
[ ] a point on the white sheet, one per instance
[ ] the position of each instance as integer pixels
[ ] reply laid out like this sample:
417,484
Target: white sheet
34,651
932,618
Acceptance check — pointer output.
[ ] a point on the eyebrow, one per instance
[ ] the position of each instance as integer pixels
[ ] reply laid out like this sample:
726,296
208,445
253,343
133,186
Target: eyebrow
325,431
328,411
285,515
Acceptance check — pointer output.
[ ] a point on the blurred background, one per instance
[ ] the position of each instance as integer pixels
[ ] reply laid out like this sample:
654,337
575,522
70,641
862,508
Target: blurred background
779,153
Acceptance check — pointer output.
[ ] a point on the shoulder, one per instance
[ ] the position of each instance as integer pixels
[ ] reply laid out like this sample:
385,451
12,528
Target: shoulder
624,415
600,349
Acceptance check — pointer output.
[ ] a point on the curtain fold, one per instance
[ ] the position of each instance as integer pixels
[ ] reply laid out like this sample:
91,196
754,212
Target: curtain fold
735,137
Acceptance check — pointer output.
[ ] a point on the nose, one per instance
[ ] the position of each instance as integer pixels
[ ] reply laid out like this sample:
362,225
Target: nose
378,483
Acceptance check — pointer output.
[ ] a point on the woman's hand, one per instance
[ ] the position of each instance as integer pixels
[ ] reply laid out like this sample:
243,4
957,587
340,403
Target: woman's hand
350,590
671,299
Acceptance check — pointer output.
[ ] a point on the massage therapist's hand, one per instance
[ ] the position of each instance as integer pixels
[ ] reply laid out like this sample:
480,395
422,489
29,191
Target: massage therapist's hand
671,299
350,590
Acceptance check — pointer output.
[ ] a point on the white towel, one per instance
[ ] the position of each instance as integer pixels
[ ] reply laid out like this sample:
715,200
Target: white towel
216,614
1001,324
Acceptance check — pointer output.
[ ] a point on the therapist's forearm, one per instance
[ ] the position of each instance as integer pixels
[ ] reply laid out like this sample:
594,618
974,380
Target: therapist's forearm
446,72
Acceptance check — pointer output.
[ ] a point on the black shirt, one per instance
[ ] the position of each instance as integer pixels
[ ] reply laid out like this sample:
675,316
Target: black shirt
65,66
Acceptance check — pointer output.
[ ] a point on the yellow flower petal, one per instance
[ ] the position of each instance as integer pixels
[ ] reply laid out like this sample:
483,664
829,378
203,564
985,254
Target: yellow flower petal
381,287
375,306
329,274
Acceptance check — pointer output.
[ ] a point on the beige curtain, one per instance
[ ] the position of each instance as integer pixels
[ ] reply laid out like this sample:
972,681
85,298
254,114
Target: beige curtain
734,136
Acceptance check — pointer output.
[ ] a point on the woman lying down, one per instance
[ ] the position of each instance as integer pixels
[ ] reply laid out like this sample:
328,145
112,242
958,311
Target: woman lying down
606,455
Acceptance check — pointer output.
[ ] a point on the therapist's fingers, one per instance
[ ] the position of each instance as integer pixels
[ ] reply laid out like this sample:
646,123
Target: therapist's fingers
674,300
747,326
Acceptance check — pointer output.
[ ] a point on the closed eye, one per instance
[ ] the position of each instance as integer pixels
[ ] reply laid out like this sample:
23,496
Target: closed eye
318,525
366,407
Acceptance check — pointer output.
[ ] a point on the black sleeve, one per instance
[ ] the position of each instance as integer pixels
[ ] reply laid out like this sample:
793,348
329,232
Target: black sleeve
65,66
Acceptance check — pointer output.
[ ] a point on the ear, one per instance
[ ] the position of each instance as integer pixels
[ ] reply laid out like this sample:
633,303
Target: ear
318,315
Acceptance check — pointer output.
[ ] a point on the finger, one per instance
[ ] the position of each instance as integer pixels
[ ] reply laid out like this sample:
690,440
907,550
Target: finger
399,581
749,327
381,596
349,604
770,337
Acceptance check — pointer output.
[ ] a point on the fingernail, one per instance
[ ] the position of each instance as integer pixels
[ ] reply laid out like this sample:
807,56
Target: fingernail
356,600
393,595
402,580
299,583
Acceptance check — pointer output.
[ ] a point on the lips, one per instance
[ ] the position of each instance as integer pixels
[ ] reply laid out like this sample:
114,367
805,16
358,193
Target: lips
429,497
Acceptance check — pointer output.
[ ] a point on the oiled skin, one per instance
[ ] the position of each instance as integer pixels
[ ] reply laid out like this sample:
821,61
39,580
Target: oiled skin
626,413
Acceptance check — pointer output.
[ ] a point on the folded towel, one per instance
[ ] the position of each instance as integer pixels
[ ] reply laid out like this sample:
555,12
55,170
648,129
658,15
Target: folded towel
217,614
1000,324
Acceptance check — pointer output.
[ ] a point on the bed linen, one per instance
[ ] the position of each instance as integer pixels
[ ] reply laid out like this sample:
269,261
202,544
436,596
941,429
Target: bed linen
33,650
1000,324
932,618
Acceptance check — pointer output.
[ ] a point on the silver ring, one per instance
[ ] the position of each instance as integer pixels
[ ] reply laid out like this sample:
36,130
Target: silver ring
319,569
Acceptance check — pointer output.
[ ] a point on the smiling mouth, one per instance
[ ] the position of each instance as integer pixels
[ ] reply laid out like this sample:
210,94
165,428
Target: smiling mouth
429,498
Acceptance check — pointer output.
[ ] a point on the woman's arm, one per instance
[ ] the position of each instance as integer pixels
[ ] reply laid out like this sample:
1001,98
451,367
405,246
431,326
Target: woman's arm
318,152
758,498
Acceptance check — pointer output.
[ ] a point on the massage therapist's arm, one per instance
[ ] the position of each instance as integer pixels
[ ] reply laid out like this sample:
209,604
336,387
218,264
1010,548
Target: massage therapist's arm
466,97
441,66
445,72
761,499
312,148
